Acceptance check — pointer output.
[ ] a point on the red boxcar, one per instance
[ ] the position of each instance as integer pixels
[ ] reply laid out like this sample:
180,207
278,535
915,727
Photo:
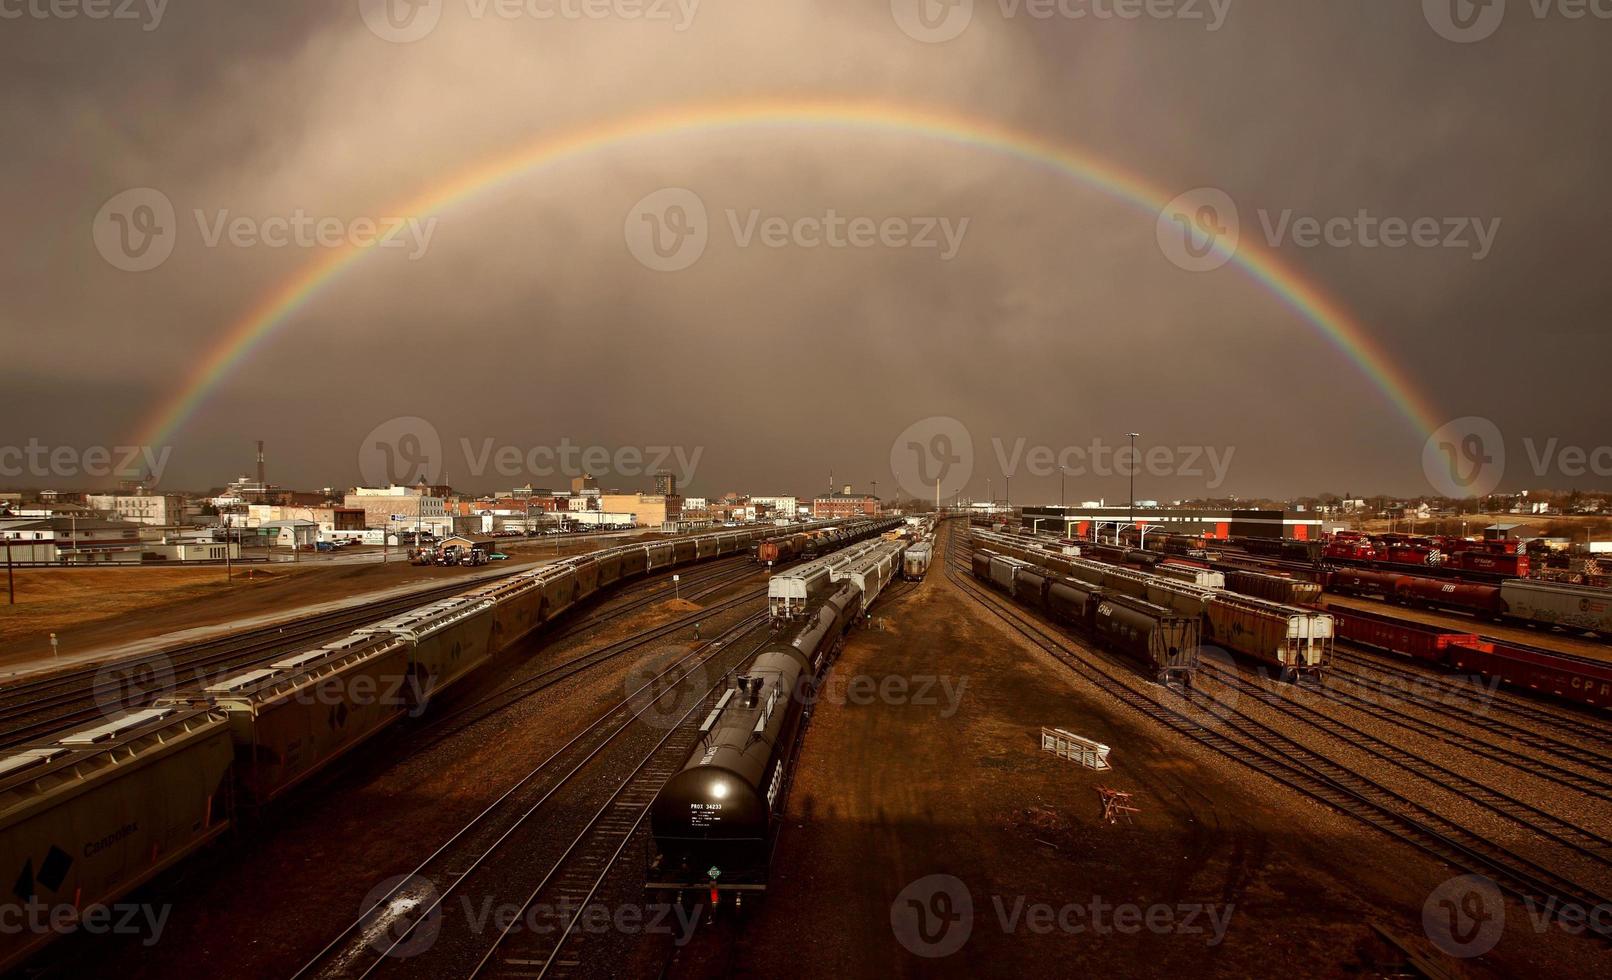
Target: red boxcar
1515,566
1470,597
1560,675
1351,582
1418,640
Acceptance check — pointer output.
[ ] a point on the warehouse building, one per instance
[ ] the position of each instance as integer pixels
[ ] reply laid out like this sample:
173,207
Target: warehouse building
1081,522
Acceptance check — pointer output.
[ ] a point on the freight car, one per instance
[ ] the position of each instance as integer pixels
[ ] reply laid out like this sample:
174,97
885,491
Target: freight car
86,816
790,594
1277,588
1167,643
1579,680
285,721
90,815
714,822
873,570
1296,640
1553,604
915,564
1525,601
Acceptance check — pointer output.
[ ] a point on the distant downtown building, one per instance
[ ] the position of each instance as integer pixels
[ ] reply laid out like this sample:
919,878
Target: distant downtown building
839,506
398,508
155,509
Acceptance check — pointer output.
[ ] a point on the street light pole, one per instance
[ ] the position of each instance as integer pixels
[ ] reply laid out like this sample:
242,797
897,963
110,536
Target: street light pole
1133,436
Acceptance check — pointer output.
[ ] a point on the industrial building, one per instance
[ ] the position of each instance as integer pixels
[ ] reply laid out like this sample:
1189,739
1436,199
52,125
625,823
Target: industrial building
648,509
401,509
1081,522
838,506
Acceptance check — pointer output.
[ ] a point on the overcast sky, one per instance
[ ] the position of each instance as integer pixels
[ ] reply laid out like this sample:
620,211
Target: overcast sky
527,317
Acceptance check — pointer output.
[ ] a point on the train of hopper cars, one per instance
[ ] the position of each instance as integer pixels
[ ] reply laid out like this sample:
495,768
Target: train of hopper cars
814,542
715,821
1296,640
1553,673
87,816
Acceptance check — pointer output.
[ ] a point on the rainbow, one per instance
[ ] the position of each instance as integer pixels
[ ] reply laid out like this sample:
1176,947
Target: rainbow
1260,263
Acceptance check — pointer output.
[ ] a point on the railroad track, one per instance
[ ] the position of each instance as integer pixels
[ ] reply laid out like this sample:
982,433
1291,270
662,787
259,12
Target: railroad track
1578,753
1591,845
39,708
45,707
1253,744
462,717
512,842
1541,768
1565,718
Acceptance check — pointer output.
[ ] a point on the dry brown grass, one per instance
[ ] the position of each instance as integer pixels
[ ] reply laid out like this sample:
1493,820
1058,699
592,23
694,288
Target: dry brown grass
56,599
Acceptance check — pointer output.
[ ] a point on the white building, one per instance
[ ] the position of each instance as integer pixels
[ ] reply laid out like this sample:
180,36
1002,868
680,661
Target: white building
401,509
155,509
73,540
779,506
290,534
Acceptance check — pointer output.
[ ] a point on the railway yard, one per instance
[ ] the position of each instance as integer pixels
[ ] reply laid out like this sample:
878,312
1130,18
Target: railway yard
826,751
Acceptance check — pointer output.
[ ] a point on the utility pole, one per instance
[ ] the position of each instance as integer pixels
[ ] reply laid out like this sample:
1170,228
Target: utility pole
228,572
11,586
1134,477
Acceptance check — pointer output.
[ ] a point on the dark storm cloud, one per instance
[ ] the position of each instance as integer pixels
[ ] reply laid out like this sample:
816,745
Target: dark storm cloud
528,323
